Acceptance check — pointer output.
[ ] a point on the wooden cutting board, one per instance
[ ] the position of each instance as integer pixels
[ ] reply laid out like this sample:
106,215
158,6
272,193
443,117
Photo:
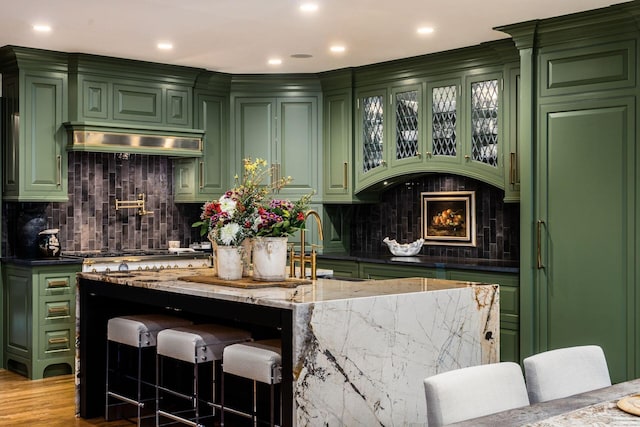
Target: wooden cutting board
245,282
630,404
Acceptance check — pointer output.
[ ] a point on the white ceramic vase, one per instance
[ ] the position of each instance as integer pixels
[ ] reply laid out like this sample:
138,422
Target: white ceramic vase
229,262
269,258
247,246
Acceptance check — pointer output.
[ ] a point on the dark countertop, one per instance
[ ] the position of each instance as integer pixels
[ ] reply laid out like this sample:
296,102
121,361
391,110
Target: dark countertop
475,264
37,262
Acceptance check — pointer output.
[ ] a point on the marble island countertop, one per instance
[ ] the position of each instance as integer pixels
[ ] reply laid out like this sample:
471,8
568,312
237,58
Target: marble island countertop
353,352
320,290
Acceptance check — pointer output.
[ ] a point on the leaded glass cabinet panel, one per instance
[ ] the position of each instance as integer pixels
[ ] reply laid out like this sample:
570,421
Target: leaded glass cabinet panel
407,124
444,115
372,132
484,121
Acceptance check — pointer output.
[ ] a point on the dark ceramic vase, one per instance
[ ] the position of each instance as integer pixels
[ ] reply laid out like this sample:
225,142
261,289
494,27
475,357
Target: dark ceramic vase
26,245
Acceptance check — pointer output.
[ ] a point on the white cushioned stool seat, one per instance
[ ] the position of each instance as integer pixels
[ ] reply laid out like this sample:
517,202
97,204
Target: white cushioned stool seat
466,393
200,346
259,361
255,360
198,343
131,342
564,372
141,330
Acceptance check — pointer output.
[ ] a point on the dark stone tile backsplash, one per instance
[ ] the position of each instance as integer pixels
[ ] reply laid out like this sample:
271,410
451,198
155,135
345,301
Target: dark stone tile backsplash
398,216
89,221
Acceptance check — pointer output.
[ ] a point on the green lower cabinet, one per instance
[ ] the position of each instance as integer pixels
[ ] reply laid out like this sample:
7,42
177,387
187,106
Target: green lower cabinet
509,307
39,316
387,271
341,269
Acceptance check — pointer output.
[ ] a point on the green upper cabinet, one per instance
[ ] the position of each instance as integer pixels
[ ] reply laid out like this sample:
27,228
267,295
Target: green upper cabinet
35,161
389,130
208,177
108,90
283,130
427,115
337,146
461,133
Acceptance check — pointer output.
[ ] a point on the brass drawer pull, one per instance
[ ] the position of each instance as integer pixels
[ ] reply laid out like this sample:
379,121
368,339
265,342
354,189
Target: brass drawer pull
59,340
345,175
539,265
58,310
62,283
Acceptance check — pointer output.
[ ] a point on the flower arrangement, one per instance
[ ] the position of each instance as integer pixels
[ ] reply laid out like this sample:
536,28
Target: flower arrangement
245,211
281,218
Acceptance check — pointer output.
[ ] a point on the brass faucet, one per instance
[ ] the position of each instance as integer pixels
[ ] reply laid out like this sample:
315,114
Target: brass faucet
302,258
134,204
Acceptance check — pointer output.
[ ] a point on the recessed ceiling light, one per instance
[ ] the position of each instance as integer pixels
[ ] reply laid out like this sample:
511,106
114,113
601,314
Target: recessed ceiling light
165,46
42,28
337,49
308,7
425,30
275,61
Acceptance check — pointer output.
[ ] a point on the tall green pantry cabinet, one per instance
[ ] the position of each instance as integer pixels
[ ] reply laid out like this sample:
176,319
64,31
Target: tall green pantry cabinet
580,210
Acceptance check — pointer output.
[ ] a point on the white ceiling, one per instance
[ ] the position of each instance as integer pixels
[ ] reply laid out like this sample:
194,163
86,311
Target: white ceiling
239,36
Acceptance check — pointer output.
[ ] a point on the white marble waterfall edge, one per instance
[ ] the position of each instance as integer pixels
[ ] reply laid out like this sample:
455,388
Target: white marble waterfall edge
361,361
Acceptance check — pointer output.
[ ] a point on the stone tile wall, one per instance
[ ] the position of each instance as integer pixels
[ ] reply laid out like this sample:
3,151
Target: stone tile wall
398,216
89,221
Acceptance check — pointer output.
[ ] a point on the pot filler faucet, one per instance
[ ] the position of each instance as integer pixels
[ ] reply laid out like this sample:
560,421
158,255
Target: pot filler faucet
302,258
134,204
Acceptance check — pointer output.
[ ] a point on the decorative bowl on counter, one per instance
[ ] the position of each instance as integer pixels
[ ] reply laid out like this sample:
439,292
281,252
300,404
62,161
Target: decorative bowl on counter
403,249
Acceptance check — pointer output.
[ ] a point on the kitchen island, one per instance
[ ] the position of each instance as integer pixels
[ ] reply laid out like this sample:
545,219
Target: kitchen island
353,353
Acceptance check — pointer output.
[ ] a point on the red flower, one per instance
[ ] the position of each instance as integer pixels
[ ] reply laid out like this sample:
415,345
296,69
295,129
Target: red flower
300,216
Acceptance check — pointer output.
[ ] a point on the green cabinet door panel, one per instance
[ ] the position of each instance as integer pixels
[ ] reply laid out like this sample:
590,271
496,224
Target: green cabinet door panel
284,132
255,128
35,159
18,312
298,152
337,147
95,99
587,184
207,177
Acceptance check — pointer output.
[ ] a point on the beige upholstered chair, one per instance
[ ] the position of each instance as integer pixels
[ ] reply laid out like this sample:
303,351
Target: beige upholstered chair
564,372
467,393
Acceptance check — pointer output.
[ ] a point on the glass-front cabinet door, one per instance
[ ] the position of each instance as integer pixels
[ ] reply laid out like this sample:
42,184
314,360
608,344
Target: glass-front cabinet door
372,150
444,121
483,149
407,138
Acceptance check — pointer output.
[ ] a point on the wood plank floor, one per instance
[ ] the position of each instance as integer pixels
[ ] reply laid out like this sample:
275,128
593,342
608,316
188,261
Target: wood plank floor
43,403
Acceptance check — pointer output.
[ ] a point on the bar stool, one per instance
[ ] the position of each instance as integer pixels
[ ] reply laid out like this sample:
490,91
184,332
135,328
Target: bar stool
133,333
258,361
198,347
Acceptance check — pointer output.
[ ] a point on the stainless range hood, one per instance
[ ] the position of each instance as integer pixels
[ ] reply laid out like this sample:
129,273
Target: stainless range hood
172,142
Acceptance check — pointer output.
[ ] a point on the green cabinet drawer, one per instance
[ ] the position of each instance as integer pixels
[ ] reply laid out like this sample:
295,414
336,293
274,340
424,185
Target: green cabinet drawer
57,284
56,310
56,341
